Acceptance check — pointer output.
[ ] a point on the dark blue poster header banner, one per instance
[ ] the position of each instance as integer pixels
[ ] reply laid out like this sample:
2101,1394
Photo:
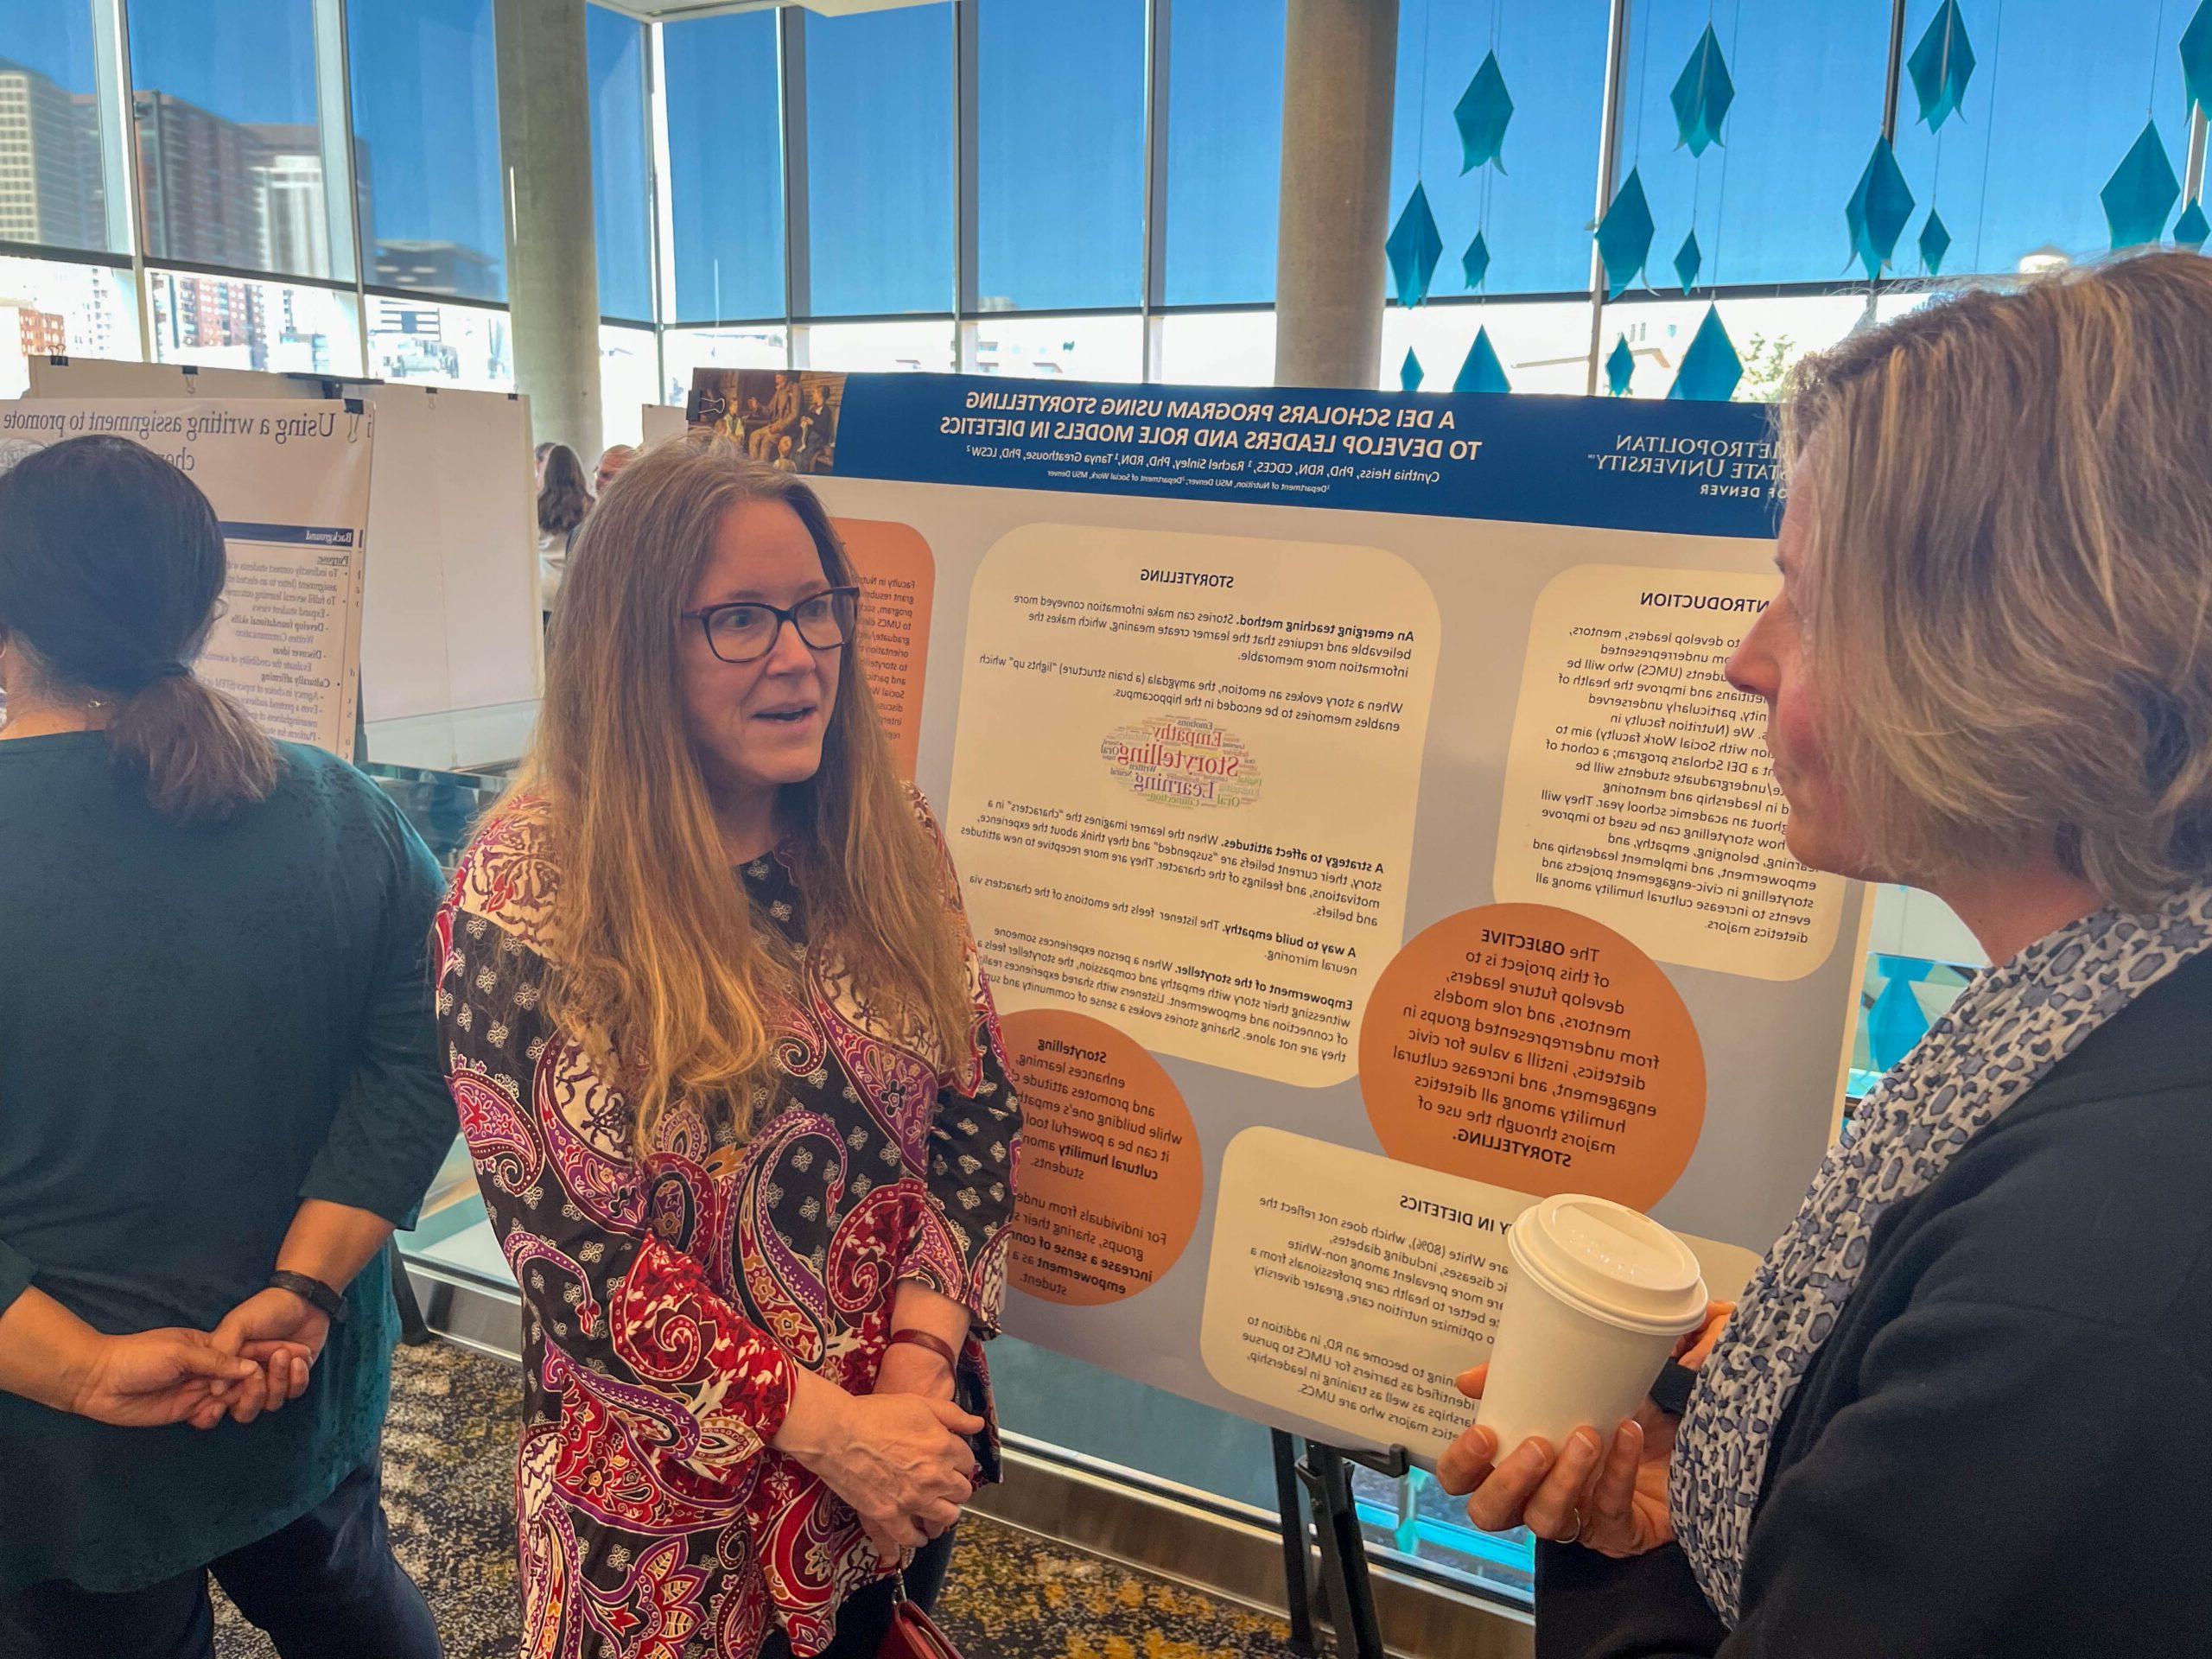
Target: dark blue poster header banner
1705,469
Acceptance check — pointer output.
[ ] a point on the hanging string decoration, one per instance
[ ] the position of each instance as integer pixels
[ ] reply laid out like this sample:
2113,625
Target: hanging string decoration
1688,258
1474,264
1941,64
1625,235
1620,368
1935,242
2197,60
1879,207
1483,112
2141,192
1702,94
1410,372
1482,372
1414,247
1711,370
2192,227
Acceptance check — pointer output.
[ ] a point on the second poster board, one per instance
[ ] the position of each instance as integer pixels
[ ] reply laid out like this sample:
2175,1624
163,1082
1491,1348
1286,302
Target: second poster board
451,617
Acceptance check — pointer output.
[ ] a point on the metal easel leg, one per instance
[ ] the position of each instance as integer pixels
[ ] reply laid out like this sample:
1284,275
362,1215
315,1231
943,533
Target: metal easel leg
1297,1548
1326,1476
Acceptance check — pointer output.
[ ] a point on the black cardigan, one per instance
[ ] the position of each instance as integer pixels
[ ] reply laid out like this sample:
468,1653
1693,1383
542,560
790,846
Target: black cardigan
2004,1448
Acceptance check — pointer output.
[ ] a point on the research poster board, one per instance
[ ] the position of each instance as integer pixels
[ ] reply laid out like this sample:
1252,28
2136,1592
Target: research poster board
451,618
289,484
1362,842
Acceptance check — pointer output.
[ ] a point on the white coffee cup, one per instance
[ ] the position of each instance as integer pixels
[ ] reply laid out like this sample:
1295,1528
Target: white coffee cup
1597,1300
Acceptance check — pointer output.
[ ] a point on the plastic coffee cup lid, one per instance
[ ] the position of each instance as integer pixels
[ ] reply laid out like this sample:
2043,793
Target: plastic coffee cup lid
1612,1262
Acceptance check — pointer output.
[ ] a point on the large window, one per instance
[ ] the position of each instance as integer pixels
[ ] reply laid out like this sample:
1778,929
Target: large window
49,308
683,350
1059,185
231,161
629,376
879,161
240,322
53,184
1224,152
726,162
1534,216
926,345
1767,200
1049,348
411,338
615,47
426,129
2060,91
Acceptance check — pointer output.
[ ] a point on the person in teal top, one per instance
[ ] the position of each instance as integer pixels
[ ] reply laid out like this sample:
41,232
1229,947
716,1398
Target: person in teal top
218,1094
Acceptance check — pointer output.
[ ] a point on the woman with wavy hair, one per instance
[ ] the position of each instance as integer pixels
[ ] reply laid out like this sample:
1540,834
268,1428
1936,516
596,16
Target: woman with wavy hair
725,1059
1960,1409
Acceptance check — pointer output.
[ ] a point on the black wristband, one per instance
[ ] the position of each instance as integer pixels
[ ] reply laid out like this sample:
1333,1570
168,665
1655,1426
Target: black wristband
1670,1389
326,1300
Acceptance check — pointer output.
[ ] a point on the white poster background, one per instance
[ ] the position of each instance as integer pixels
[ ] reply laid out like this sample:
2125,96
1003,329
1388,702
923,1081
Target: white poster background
289,484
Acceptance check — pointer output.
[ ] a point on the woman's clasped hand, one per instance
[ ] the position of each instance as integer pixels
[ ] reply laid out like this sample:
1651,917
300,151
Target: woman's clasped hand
899,1459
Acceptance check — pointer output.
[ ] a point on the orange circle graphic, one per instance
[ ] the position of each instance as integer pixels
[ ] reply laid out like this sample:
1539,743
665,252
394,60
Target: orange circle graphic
1111,1173
1533,1049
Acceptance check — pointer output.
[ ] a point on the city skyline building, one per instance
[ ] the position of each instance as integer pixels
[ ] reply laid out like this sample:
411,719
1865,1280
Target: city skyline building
52,192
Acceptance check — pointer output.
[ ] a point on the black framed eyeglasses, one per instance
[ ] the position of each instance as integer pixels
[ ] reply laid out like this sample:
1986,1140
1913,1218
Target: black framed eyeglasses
748,631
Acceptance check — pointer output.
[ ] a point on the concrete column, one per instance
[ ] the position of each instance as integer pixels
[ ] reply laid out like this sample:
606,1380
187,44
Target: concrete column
552,254
1339,71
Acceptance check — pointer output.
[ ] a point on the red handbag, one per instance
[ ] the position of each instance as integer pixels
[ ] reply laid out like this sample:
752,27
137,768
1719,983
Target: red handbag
913,1633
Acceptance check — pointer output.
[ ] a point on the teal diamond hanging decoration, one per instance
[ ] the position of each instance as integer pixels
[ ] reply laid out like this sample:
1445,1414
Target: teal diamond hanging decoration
1625,235
1941,64
1414,247
1688,258
1474,264
1620,368
1483,111
2192,227
1710,368
1935,242
2196,59
1409,374
2141,192
1702,94
1482,372
1878,209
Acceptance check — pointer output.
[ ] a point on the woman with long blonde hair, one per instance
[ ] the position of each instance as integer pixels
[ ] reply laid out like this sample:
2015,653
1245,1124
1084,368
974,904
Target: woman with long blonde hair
1960,1410
726,1060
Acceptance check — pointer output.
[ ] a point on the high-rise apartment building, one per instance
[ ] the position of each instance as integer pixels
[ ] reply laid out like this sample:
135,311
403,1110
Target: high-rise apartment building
198,174
50,179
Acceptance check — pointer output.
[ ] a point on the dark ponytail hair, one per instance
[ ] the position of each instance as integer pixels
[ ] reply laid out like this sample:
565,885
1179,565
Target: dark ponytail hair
110,566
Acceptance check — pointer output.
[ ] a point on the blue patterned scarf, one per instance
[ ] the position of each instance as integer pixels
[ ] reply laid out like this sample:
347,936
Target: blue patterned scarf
2010,1025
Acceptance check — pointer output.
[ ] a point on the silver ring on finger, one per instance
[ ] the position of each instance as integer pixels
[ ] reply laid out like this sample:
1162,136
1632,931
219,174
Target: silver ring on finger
1576,1534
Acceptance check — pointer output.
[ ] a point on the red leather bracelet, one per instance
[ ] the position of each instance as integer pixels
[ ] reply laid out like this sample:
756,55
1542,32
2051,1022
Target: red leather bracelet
931,1342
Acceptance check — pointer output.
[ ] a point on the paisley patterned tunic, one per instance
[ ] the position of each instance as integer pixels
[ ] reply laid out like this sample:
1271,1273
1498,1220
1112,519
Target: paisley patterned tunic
666,1304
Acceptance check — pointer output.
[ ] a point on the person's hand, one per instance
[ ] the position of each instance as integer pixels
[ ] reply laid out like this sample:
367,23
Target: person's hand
908,1368
899,1459
156,1377
283,1334
1611,1496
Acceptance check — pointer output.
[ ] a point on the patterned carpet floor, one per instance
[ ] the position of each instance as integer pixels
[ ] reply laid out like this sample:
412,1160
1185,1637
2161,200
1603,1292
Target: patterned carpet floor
449,1473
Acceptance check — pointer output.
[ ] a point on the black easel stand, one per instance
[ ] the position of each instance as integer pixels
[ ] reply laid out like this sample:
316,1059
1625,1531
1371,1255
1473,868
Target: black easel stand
1339,1591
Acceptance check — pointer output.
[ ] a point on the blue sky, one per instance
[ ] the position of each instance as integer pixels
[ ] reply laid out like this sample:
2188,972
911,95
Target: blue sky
2061,90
